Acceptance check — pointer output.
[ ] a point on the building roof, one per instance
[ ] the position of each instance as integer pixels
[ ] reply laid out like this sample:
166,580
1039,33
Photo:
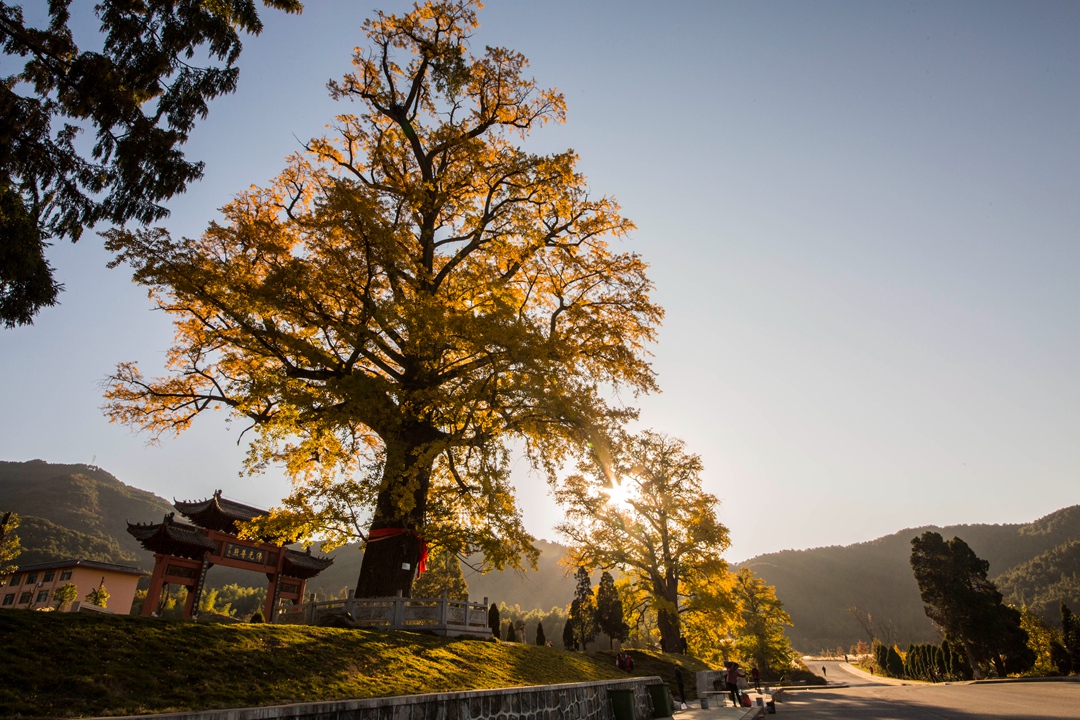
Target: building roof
92,564
303,565
171,538
217,513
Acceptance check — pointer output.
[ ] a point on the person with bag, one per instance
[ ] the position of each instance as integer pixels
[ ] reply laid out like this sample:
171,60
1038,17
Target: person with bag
731,682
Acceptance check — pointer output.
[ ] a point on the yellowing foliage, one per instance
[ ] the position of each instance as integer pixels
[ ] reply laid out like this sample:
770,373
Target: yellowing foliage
405,298
638,505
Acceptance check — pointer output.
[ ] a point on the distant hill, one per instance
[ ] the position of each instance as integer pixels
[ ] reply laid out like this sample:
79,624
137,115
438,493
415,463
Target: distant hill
1037,563
76,511
81,511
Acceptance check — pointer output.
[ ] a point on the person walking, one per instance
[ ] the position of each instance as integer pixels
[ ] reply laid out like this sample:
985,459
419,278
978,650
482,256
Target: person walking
755,675
679,683
731,681
825,674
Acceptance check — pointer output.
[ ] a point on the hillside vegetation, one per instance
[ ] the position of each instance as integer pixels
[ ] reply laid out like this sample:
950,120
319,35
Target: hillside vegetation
113,665
1037,563
76,511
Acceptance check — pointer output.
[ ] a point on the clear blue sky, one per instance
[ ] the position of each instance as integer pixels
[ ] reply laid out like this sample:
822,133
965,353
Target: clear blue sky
863,220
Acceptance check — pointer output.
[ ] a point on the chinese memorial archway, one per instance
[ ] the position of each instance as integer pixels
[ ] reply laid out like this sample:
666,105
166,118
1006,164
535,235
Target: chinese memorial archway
184,553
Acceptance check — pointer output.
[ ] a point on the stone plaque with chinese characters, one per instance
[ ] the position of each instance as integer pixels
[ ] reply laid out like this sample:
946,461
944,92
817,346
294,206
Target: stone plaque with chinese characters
239,552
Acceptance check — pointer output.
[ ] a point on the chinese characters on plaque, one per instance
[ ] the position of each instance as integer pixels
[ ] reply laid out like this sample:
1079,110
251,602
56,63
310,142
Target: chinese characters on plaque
239,552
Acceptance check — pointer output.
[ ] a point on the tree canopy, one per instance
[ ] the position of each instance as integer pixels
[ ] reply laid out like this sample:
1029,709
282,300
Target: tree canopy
967,606
639,506
140,94
443,575
411,294
760,631
10,546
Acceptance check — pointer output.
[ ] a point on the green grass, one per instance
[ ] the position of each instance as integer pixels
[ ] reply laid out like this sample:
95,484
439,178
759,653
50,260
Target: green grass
71,665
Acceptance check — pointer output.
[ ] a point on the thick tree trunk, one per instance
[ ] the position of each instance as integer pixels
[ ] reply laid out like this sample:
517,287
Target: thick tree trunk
393,550
971,660
667,615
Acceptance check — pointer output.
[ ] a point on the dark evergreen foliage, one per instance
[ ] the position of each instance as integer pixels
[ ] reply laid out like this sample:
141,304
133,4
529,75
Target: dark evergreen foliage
966,605
541,640
1059,658
894,664
582,617
568,632
141,93
881,656
609,611
493,620
1070,635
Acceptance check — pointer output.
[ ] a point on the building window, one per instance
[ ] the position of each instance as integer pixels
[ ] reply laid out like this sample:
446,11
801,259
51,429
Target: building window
65,574
31,578
15,580
9,599
49,575
25,598
42,596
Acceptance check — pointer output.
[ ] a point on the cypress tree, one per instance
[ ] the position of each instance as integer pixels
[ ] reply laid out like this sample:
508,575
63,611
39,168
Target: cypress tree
509,634
568,633
909,662
1059,657
609,611
1070,630
493,620
881,657
894,663
541,640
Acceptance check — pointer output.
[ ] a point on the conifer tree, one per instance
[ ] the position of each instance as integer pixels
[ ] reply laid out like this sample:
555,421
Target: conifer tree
881,656
583,610
568,634
609,611
541,640
894,664
493,620
1070,635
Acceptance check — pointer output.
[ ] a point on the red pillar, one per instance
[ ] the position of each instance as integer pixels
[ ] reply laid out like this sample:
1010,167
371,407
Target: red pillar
189,602
157,580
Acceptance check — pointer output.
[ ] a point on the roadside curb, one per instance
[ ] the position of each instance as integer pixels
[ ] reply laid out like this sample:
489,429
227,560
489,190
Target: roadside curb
993,681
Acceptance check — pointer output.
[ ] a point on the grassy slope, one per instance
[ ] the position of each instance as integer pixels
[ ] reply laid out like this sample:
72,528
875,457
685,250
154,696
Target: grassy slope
68,665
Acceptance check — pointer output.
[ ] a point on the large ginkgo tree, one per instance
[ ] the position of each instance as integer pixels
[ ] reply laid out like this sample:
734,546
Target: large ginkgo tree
408,300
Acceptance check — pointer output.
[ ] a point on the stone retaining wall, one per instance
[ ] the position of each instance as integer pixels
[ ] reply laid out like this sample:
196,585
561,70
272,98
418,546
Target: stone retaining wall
570,701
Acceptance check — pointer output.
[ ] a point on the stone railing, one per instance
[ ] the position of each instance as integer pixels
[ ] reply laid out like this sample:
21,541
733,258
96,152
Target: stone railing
570,701
441,616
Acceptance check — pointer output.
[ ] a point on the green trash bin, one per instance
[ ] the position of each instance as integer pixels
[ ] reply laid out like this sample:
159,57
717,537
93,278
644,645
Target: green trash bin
663,706
622,704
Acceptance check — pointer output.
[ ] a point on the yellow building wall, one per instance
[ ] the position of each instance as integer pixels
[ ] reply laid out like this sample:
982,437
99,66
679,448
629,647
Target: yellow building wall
39,592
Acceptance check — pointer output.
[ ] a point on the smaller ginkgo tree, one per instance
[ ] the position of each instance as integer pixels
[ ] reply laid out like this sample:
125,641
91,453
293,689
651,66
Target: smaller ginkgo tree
639,506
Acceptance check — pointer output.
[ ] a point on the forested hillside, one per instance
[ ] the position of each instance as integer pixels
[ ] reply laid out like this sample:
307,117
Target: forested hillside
1035,563
76,511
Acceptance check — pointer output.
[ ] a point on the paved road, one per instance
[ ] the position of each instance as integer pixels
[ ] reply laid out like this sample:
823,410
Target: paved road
874,699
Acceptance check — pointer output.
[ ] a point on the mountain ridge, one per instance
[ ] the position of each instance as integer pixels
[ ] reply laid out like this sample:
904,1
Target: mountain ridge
817,585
